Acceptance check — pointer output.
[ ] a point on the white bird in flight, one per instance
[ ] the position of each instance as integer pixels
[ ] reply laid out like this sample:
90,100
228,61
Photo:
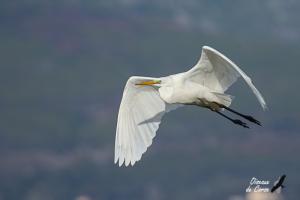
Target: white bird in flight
146,99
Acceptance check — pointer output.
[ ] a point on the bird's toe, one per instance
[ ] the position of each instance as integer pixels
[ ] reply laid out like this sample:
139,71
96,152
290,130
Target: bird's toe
252,119
241,123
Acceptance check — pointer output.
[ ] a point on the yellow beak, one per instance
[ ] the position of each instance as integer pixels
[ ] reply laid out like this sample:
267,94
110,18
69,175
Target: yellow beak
148,83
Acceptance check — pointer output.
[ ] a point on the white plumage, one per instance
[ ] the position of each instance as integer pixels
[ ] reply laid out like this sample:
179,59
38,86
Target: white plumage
145,100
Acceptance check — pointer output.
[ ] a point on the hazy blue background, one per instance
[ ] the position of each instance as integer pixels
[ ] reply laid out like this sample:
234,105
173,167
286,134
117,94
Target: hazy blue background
63,66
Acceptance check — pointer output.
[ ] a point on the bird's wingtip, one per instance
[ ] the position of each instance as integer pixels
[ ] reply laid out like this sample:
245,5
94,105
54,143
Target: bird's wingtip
265,107
120,164
126,164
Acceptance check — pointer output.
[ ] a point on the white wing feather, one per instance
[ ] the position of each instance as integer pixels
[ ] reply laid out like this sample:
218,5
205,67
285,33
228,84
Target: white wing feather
139,117
217,72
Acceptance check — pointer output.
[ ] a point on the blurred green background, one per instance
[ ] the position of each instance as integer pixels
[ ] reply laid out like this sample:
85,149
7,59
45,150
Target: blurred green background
63,67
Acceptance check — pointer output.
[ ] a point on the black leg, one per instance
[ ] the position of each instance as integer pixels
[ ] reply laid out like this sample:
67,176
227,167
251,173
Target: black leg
248,117
235,121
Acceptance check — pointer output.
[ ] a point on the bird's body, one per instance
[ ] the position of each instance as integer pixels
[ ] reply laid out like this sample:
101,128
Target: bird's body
146,99
180,90
183,91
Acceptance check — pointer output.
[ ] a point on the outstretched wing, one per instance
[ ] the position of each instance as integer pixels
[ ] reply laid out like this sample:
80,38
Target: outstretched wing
217,72
139,117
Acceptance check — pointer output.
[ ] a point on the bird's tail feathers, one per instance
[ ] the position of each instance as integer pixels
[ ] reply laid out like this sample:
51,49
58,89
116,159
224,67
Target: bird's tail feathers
225,99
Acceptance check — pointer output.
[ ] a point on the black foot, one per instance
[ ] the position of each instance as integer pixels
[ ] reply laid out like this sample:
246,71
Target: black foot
239,122
251,119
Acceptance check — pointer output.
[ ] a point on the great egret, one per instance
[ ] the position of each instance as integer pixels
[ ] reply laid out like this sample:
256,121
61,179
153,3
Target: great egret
146,99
